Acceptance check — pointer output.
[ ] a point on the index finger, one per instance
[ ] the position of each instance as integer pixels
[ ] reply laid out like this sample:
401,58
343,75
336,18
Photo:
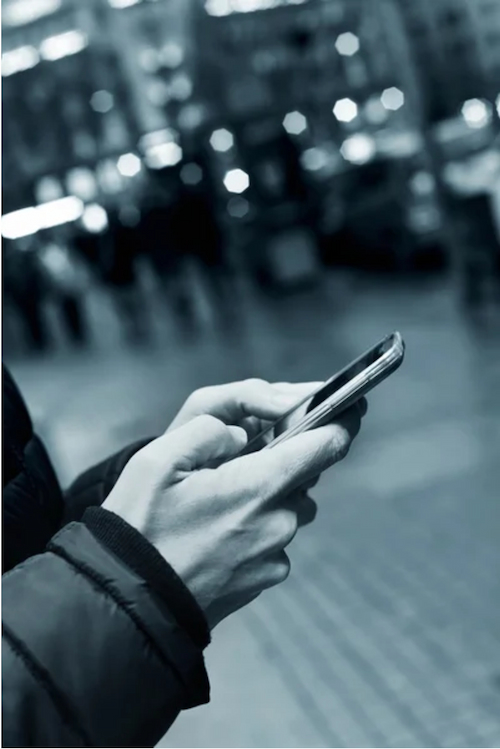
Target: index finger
236,401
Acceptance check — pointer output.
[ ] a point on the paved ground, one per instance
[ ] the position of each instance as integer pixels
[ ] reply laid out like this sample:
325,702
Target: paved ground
387,633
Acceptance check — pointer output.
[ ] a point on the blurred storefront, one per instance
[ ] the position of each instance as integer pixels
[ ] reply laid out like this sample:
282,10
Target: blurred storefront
59,73
458,50
324,126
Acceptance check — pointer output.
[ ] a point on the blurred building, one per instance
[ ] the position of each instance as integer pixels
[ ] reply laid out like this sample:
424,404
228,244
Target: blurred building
82,83
287,103
289,55
66,97
457,47
154,40
294,92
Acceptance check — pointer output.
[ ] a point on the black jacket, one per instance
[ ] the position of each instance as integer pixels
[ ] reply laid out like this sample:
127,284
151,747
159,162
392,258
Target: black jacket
102,642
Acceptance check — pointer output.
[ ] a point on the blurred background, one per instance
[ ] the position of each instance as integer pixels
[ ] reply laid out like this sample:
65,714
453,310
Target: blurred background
197,192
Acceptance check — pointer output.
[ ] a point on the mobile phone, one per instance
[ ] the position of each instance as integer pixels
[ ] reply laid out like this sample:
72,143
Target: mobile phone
339,392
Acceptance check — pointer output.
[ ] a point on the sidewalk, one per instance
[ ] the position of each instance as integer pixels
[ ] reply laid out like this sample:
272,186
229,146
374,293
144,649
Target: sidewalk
387,633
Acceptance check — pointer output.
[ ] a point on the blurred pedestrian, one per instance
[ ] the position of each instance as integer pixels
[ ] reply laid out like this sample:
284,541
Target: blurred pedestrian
25,289
168,261
195,230
66,282
119,270
479,247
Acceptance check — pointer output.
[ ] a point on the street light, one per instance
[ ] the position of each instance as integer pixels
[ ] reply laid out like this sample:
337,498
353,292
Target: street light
23,12
62,45
123,3
19,59
62,211
226,7
27,221
21,223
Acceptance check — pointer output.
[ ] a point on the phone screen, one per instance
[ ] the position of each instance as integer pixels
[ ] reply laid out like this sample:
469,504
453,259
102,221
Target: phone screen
348,373
325,391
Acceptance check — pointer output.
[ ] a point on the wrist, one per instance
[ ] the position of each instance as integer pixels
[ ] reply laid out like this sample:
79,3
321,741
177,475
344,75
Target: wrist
125,542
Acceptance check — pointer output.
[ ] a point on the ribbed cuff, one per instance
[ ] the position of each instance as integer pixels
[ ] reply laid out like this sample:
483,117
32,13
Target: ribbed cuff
135,551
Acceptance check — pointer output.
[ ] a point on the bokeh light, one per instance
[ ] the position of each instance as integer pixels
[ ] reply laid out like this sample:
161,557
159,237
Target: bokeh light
295,123
102,101
129,164
476,113
222,140
393,98
95,218
345,110
347,44
236,180
358,149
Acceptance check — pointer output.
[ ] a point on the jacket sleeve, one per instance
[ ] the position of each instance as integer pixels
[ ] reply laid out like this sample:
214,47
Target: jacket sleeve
101,647
92,487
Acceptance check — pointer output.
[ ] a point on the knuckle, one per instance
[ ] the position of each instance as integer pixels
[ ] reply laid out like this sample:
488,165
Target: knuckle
135,463
281,570
344,442
253,384
198,397
254,381
145,461
208,424
342,451
341,442
287,525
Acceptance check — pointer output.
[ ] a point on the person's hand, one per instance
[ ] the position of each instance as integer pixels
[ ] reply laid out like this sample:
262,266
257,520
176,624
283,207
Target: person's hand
253,404
256,405
224,529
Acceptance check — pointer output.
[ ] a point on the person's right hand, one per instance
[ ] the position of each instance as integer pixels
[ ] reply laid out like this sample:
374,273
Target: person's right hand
224,529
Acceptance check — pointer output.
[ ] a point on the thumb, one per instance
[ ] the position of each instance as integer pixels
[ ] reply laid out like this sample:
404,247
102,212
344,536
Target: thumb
203,442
